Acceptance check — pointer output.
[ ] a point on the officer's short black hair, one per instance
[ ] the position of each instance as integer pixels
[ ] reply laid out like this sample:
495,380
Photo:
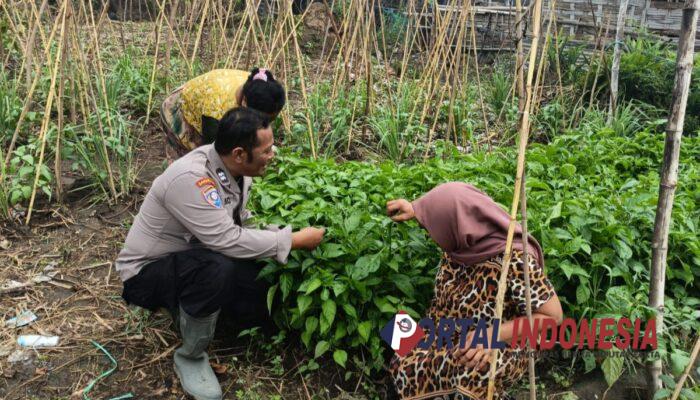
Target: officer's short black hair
265,95
239,128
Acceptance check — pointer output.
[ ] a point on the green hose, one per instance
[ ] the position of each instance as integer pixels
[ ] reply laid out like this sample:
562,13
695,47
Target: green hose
104,375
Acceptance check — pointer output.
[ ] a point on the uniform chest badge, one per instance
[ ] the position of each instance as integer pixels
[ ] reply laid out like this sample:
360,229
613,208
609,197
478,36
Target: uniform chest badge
222,176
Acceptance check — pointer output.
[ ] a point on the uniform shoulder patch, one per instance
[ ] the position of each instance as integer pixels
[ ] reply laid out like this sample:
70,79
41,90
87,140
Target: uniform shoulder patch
211,196
207,187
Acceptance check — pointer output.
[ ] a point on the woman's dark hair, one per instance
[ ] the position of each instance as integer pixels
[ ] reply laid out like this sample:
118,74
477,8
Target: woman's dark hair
239,128
263,94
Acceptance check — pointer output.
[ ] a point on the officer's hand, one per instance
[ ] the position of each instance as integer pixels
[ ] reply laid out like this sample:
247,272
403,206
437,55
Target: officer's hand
400,210
308,238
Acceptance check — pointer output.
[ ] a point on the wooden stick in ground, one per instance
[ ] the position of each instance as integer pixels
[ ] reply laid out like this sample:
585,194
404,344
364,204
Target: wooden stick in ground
693,357
519,55
29,53
368,70
100,72
47,112
528,295
452,123
302,79
478,81
522,145
59,112
669,174
159,25
27,102
537,97
199,33
169,42
601,59
615,70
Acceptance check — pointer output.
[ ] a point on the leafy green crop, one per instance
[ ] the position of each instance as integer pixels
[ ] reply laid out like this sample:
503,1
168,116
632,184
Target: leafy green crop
591,200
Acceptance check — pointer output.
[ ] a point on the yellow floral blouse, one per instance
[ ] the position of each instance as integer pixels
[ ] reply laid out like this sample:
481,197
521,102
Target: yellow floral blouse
211,94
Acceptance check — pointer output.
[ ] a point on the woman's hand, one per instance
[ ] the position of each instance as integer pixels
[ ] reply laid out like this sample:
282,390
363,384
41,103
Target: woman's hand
477,357
400,210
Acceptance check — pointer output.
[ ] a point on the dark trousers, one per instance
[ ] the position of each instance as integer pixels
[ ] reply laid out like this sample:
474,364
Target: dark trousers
202,281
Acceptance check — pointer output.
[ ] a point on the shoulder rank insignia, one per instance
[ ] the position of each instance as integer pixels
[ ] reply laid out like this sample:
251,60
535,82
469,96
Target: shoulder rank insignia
222,176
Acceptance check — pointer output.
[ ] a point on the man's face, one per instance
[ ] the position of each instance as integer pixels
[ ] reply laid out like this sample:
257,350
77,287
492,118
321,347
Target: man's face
263,153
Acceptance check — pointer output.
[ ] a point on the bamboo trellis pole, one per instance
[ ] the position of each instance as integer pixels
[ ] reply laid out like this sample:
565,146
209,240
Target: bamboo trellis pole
47,111
60,112
100,72
615,70
669,174
169,40
29,50
199,33
522,145
27,103
159,24
302,79
520,55
528,295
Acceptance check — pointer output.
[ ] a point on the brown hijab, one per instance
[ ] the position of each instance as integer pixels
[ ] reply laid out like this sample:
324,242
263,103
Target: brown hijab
468,225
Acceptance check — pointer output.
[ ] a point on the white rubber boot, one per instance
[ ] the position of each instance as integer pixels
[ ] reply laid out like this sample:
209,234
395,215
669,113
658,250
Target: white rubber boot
191,360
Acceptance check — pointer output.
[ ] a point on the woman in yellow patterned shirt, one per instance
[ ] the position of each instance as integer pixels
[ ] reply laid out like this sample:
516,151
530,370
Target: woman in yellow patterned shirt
190,114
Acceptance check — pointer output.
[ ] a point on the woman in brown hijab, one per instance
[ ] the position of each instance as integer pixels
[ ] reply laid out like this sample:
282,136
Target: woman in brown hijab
471,229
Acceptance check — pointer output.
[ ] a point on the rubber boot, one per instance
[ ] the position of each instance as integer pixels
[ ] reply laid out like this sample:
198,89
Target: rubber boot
191,360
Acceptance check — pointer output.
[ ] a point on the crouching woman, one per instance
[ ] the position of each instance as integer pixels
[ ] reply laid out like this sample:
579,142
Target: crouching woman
471,230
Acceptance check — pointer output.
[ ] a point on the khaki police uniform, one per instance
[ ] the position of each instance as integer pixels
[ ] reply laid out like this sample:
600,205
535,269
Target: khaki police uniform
189,243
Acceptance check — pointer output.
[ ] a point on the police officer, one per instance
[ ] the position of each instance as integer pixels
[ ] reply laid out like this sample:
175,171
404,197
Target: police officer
190,250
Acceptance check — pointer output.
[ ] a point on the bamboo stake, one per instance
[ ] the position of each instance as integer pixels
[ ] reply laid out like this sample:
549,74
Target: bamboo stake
520,55
27,104
100,72
558,61
615,71
302,78
47,113
451,123
601,59
543,61
528,295
478,81
169,42
368,77
522,146
59,112
669,174
693,357
159,24
199,33
29,52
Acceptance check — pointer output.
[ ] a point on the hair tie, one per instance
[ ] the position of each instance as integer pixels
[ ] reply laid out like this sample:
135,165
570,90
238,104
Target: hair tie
261,75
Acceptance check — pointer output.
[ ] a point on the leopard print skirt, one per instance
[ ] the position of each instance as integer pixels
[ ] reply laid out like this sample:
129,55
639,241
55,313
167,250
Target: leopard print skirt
469,291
